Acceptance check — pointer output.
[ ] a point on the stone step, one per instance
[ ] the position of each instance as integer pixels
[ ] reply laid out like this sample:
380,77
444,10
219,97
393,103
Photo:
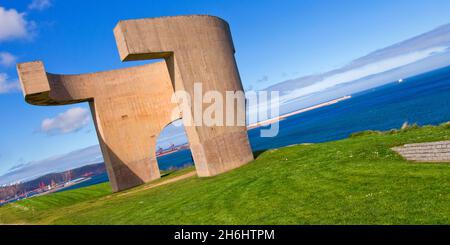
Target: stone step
425,156
427,159
425,149
425,152
428,144
407,151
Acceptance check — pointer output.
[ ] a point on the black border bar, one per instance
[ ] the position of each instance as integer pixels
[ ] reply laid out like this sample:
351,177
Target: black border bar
234,234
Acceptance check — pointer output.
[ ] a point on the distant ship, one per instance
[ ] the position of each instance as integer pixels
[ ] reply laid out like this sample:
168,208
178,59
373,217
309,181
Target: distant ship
172,149
400,80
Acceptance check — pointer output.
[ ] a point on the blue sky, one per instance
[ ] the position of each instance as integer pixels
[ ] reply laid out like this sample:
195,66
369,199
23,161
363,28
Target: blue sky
274,40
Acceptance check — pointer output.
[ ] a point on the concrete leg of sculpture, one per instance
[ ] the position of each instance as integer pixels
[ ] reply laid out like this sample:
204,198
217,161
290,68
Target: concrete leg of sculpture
131,169
215,149
197,49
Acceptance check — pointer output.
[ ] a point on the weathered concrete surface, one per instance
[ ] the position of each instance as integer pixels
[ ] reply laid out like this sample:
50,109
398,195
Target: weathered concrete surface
196,48
131,106
425,152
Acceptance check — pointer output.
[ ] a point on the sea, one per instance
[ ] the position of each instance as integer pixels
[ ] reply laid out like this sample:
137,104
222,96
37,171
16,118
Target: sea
422,99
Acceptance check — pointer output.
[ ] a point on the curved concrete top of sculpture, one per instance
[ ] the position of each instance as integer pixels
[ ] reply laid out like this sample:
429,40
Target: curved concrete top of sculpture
150,38
42,88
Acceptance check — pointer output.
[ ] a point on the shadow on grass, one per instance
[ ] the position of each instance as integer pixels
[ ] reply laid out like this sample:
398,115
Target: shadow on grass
168,172
256,154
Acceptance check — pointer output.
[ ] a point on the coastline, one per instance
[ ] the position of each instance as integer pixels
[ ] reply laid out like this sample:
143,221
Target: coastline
282,117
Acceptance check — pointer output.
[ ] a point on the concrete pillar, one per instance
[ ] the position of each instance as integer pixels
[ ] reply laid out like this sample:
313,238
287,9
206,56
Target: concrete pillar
197,49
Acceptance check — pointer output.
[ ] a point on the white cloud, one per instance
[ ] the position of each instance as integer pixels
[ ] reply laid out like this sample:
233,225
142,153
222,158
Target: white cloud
365,71
13,25
69,121
39,4
7,86
7,59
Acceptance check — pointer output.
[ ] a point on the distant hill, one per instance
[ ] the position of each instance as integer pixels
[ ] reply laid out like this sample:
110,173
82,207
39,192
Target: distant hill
55,164
7,192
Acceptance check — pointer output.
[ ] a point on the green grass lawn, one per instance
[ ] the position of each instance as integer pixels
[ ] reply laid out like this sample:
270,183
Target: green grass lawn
358,180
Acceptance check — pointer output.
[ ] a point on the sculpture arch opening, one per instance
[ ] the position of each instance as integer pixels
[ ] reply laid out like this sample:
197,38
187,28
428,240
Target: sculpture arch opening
172,148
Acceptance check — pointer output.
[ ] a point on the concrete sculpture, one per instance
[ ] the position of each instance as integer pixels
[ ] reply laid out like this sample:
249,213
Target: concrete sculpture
131,106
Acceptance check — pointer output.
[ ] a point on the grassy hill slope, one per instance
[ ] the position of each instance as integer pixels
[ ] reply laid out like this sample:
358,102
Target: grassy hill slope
358,180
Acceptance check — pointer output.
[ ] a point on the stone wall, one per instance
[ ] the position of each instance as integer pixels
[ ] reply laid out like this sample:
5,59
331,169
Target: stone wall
425,152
